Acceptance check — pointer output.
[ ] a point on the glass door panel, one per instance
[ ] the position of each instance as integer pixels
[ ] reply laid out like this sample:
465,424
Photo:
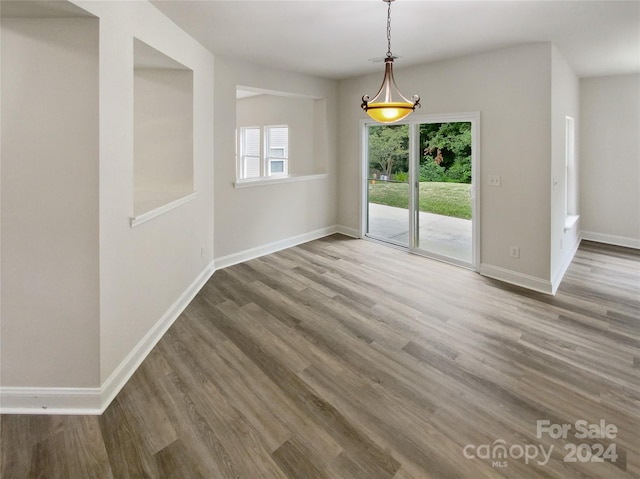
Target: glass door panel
388,189
443,192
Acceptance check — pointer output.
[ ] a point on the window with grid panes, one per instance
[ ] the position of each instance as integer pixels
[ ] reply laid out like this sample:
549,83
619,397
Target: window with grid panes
264,152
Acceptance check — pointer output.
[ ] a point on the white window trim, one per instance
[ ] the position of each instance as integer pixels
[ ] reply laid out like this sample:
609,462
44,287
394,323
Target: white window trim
241,164
267,149
265,159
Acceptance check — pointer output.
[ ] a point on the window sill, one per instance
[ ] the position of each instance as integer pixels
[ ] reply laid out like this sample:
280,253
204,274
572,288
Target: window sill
277,180
570,221
149,215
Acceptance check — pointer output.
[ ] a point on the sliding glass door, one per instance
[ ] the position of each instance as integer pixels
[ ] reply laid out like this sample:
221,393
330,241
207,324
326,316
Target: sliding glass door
420,186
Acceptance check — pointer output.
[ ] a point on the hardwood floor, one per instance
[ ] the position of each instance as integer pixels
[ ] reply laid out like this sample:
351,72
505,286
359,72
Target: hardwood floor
345,359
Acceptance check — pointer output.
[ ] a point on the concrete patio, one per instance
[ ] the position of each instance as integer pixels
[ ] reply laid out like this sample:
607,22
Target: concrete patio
442,235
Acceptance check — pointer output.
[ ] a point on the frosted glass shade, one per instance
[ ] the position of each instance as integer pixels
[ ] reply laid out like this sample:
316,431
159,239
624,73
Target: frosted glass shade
389,112
389,105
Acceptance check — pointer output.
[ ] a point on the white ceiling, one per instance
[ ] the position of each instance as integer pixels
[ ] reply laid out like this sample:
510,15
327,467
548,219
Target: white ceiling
336,38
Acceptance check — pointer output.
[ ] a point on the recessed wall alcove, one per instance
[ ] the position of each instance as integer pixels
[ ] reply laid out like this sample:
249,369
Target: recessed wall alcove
305,117
163,131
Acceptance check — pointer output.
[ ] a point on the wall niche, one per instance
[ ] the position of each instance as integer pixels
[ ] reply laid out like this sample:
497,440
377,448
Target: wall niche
163,132
306,117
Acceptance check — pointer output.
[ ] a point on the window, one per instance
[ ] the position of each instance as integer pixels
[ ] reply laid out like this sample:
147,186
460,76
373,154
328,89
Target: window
277,139
275,147
250,149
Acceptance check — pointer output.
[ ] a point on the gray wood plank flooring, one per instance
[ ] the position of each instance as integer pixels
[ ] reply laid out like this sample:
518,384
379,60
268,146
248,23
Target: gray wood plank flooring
345,359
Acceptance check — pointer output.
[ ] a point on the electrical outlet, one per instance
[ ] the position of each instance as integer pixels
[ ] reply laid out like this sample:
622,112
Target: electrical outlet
494,180
514,251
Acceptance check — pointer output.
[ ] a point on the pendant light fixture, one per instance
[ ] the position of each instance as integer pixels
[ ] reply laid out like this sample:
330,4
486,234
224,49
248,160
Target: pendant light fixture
389,105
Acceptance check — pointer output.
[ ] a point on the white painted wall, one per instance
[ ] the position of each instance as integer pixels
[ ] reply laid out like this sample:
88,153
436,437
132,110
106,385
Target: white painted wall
144,270
247,218
511,88
83,293
610,159
564,102
50,277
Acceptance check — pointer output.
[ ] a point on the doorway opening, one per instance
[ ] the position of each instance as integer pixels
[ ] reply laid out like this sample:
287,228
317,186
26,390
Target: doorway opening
420,189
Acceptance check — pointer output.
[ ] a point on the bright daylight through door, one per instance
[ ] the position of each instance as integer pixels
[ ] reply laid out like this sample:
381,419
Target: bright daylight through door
430,163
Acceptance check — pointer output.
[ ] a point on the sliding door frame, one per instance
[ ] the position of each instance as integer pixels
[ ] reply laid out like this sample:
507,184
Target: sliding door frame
414,151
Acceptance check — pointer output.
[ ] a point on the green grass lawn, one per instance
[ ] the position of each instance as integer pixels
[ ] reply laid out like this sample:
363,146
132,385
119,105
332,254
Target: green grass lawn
450,199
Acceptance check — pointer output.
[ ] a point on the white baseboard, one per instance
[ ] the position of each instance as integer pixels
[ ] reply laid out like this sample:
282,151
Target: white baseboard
24,400
557,278
611,239
249,254
518,279
91,401
345,230
116,381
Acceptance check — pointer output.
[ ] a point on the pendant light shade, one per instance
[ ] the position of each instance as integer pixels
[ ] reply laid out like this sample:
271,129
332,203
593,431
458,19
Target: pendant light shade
389,105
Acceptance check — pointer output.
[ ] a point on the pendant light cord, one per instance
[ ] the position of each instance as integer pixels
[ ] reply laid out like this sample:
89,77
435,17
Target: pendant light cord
389,54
